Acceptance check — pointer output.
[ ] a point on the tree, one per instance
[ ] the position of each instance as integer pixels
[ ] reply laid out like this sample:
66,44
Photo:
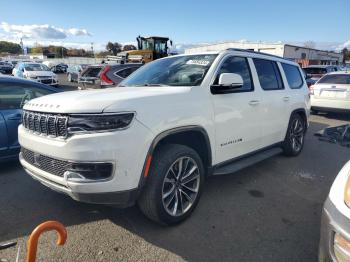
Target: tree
36,50
9,47
114,48
346,54
129,47
310,44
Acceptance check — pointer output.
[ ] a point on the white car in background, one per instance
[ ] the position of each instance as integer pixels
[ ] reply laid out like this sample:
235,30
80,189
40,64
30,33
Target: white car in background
36,72
335,225
331,93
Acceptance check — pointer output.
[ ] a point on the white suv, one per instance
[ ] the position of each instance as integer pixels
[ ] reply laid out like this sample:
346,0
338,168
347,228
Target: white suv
155,138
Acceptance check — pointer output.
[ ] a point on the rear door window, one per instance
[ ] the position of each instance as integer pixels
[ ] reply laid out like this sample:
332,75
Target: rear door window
124,73
268,74
293,76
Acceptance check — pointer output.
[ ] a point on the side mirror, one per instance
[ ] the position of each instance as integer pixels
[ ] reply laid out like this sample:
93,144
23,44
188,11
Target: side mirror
227,83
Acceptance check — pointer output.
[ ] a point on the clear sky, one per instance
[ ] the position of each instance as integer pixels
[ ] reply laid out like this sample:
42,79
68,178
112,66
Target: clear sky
183,21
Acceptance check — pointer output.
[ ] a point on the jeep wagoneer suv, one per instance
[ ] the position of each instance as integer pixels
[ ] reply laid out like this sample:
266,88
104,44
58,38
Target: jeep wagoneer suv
173,122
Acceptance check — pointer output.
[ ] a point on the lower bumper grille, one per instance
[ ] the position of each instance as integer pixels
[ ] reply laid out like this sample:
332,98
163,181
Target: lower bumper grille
48,164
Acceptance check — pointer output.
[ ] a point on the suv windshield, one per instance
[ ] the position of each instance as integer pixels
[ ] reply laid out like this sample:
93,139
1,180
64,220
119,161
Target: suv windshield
36,67
173,71
335,79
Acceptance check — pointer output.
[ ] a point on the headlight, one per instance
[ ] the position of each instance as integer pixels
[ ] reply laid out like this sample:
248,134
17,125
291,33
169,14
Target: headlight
99,123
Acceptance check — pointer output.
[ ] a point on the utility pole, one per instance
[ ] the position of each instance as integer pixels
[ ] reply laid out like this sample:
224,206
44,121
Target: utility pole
92,49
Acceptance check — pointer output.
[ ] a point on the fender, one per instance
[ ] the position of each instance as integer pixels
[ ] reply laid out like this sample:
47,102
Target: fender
165,134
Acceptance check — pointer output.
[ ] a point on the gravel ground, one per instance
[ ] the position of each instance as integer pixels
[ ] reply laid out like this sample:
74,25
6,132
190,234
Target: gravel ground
267,212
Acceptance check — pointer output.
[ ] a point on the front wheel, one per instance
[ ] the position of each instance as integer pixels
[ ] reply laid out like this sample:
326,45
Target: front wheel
294,140
174,184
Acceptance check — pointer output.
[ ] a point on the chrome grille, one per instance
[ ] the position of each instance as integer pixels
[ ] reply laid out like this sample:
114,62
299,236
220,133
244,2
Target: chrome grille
48,164
53,125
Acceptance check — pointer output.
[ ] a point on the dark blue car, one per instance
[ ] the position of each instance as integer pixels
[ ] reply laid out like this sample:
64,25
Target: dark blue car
14,93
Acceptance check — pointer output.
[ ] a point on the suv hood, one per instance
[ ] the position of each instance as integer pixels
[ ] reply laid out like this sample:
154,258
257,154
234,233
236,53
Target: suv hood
39,73
96,101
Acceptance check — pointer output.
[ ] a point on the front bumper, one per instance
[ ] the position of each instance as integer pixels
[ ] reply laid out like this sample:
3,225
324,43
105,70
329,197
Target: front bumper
121,198
332,222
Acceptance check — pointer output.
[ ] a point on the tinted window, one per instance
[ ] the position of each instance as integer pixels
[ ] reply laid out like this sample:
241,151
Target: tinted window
237,65
294,78
335,79
13,96
124,73
315,71
269,74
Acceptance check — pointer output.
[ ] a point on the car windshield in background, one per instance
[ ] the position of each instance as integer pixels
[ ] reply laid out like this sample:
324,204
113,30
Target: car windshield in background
315,71
173,71
335,79
36,67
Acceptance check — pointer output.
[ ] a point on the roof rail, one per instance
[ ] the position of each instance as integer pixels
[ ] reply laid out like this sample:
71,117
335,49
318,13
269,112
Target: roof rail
254,52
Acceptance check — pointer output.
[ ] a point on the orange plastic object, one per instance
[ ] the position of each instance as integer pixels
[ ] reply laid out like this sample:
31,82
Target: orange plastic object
34,237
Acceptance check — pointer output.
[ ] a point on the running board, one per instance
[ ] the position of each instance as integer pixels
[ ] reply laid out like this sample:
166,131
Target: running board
246,161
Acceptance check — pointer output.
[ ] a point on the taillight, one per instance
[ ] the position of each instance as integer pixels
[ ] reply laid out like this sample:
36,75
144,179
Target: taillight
311,89
105,81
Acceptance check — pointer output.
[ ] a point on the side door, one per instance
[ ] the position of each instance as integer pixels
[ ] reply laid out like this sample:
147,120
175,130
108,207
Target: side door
237,114
3,133
275,101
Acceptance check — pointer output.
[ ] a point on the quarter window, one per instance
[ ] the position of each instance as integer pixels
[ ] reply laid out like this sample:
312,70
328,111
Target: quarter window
269,74
293,76
240,66
124,73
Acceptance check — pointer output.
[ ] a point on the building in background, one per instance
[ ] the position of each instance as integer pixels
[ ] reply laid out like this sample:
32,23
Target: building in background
304,56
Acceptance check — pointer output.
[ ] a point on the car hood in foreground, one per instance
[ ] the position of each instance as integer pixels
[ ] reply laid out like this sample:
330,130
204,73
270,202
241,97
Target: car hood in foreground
96,101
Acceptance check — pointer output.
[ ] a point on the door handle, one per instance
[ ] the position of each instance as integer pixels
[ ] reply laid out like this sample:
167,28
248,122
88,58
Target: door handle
254,102
286,98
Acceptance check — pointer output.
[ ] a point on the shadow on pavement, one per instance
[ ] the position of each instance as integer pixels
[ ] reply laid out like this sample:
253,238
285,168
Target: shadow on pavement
267,212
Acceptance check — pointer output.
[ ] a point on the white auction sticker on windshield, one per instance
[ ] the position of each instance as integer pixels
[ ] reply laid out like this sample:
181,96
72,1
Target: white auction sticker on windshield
198,62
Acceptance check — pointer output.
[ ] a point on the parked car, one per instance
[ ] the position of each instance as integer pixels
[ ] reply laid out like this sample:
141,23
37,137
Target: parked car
331,93
5,68
74,72
59,68
315,72
335,223
167,126
36,72
14,94
105,75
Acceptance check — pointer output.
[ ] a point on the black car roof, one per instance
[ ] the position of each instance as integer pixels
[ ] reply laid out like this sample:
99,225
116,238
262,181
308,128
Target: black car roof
16,80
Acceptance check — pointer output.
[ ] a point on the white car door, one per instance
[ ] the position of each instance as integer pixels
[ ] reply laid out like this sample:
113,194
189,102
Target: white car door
275,101
237,114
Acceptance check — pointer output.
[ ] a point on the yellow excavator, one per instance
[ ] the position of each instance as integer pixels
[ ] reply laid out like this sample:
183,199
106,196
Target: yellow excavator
149,49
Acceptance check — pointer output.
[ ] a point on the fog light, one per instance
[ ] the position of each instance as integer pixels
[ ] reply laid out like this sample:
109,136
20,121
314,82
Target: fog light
88,172
341,248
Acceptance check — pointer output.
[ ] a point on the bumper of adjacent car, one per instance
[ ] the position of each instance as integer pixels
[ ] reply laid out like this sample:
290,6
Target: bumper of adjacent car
330,104
333,222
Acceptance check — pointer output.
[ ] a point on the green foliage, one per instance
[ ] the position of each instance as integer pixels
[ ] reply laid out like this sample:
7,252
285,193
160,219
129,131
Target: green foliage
9,47
114,48
346,54
129,47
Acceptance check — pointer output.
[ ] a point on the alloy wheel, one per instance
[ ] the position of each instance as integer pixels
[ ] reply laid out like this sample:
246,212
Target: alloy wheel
297,134
180,186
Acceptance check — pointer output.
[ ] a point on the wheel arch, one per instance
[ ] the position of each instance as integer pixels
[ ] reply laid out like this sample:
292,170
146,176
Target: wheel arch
193,136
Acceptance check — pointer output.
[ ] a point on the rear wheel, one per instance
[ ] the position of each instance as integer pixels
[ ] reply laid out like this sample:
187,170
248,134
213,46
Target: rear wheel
174,184
294,141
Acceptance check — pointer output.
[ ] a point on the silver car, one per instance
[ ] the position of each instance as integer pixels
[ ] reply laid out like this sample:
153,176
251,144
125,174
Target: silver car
335,223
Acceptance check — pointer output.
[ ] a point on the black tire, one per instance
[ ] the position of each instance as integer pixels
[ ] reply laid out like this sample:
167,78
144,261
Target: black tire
295,137
152,198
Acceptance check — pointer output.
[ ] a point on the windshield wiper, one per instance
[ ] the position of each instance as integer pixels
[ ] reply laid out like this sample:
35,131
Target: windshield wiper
153,85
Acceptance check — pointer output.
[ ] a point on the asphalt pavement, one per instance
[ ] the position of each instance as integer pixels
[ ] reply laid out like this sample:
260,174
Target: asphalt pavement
267,212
